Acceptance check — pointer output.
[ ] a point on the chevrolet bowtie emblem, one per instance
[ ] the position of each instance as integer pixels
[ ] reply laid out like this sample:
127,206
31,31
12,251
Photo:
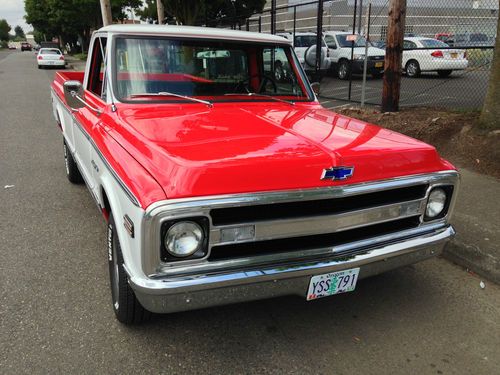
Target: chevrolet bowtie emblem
337,173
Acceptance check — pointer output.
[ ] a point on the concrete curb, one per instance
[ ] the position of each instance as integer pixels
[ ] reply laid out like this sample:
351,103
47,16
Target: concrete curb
471,257
477,222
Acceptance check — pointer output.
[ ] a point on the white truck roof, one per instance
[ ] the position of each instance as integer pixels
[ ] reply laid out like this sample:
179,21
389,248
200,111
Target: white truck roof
194,32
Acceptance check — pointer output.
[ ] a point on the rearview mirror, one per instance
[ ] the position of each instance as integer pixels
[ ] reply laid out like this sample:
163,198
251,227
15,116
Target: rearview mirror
74,95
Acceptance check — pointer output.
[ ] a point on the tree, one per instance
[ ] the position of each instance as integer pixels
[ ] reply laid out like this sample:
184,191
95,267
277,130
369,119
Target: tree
490,115
4,30
198,12
71,20
18,30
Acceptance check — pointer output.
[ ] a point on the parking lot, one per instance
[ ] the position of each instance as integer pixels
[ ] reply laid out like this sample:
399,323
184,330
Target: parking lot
426,90
56,315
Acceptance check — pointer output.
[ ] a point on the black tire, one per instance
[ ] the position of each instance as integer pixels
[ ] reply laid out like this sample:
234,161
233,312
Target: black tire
127,308
412,69
378,75
344,70
72,171
444,73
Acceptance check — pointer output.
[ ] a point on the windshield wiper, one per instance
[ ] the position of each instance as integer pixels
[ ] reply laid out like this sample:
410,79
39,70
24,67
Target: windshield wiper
165,93
262,95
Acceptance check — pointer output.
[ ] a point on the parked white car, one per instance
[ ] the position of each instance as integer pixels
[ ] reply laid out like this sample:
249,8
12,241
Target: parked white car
50,57
305,41
340,55
431,55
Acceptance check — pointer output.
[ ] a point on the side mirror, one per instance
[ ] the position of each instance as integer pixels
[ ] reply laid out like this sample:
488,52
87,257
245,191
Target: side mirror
74,94
316,87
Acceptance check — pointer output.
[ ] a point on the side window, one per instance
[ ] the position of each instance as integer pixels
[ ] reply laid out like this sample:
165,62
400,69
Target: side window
96,73
330,41
279,77
409,45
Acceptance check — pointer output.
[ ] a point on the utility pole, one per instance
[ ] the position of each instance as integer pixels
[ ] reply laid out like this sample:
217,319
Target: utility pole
393,56
106,13
360,16
161,11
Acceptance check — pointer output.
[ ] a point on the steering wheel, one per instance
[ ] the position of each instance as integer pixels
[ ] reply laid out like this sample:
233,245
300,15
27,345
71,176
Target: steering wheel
264,80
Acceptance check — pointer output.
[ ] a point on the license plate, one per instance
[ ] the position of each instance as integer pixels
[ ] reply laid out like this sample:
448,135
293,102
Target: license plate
332,283
379,64
454,55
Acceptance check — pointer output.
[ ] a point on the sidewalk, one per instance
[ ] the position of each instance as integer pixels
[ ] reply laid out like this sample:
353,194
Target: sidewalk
75,64
477,221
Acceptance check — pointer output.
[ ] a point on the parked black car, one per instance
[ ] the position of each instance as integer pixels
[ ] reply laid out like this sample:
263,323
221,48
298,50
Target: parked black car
25,46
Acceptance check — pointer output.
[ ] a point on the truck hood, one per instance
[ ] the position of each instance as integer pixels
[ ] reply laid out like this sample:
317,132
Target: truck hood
192,150
372,51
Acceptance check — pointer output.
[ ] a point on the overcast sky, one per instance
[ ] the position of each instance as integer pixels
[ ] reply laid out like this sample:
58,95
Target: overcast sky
13,12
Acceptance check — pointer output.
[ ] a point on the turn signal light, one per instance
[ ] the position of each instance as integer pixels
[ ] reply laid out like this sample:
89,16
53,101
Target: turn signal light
438,54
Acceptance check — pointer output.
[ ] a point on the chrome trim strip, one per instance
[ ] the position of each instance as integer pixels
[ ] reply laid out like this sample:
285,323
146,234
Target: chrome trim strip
246,262
120,182
311,225
161,211
204,281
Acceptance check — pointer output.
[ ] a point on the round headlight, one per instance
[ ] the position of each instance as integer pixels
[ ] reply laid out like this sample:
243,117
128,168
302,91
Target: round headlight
183,239
436,203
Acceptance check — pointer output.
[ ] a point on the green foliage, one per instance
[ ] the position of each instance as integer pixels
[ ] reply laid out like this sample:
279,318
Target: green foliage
198,12
4,30
70,20
19,32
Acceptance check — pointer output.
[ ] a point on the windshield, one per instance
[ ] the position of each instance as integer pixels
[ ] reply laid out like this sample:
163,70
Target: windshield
44,51
430,43
307,41
342,39
148,68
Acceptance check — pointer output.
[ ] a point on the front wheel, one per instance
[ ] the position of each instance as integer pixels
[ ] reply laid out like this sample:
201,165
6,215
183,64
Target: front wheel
444,73
72,172
412,69
127,308
344,70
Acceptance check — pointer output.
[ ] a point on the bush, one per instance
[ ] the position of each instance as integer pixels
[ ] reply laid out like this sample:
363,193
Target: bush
80,56
3,44
480,58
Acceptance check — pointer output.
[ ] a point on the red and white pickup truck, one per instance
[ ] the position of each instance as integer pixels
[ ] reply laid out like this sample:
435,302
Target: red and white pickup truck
223,182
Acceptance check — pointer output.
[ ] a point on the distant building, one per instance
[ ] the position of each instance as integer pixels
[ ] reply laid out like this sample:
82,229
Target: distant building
424,17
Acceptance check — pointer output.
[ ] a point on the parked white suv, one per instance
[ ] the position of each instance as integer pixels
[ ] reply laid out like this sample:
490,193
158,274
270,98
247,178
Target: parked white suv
339,46
304,45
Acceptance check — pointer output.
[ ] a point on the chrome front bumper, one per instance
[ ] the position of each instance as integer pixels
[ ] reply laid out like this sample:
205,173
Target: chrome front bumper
204,290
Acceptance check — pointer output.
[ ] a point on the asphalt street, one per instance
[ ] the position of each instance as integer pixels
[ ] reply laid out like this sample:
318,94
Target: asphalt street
55,303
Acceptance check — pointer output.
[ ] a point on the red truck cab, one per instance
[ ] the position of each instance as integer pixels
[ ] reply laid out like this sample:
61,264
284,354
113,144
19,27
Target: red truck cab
223,180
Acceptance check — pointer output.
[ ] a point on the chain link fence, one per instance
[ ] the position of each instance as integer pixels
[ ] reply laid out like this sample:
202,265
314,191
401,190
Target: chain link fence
448,47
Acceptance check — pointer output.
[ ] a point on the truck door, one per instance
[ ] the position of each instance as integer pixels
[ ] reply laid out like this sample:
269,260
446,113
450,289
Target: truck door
87,118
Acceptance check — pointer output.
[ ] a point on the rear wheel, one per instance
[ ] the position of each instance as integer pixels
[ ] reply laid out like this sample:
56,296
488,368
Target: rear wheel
127,308
377,74
344,70
412,69
444,73
72,171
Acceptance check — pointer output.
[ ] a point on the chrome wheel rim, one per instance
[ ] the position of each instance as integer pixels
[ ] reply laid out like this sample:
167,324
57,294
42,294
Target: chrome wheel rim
66,163
278,73
342,71
116,274
412,69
